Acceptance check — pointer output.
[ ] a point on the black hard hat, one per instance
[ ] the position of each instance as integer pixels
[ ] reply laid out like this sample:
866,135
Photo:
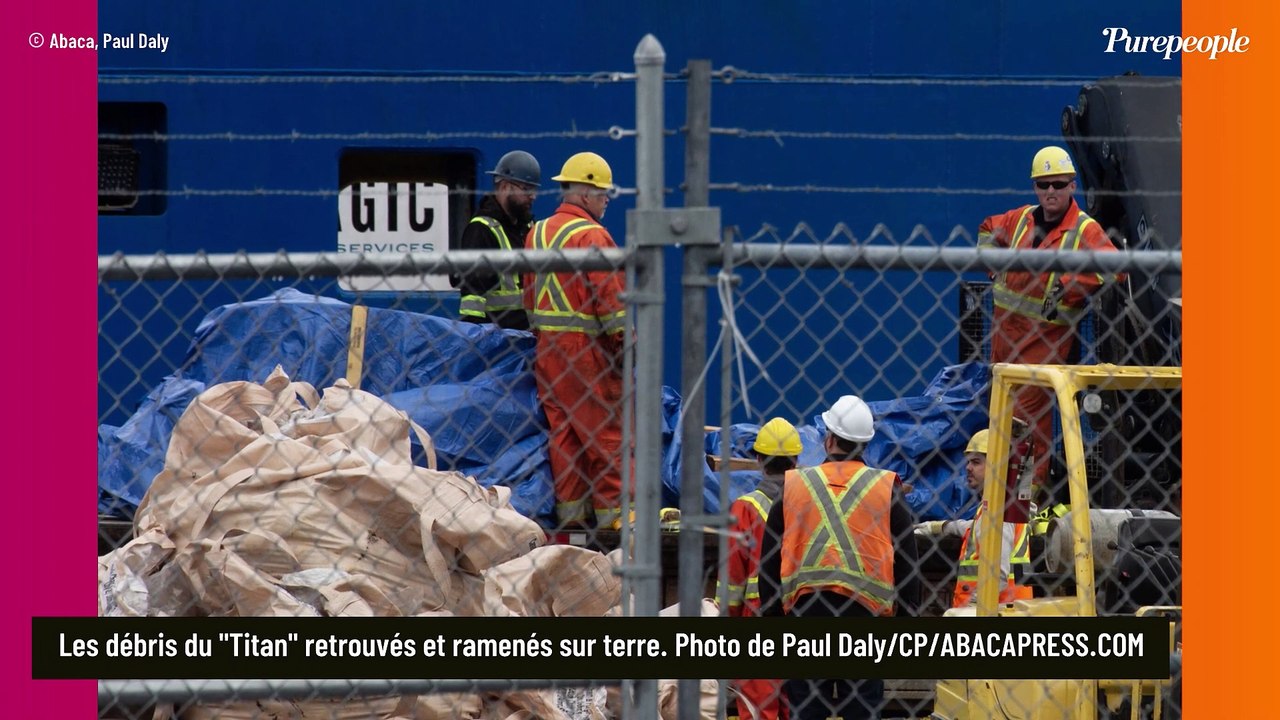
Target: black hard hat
518,166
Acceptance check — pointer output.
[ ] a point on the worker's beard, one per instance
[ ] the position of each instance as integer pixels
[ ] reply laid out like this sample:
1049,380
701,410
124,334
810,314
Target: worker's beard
520,212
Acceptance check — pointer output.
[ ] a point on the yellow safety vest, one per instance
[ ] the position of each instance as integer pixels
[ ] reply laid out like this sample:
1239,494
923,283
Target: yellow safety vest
506,295
967,571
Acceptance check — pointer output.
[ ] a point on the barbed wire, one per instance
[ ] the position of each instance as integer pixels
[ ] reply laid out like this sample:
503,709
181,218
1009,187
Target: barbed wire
769,187
727,74
614,132
778,135
300,192
333,77
619,191
295,135
730,74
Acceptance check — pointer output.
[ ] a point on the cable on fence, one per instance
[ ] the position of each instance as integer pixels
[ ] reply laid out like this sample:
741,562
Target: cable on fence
728,324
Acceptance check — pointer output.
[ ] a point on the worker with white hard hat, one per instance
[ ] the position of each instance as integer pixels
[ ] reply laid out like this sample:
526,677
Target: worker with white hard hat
839,543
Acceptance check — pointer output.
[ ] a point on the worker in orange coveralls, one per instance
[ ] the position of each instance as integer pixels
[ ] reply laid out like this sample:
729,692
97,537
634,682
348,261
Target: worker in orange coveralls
580,322
1036,313
777,447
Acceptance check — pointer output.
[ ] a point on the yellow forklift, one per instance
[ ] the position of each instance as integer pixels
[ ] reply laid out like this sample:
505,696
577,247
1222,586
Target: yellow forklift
1076,540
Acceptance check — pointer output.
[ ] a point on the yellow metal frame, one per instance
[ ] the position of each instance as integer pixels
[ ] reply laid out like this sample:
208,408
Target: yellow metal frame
1065,381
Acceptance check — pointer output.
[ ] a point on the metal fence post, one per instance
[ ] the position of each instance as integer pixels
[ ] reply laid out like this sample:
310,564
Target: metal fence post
694,356
697,139
649,60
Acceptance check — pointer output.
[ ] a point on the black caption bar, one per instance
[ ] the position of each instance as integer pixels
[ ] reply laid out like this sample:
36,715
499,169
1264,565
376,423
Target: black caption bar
600,648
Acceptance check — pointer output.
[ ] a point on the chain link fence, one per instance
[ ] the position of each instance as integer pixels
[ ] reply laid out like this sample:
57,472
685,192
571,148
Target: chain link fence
317,457
909,328
313,457
262,498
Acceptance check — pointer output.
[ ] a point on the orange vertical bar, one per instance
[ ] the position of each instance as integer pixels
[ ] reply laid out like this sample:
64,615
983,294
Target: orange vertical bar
1231,162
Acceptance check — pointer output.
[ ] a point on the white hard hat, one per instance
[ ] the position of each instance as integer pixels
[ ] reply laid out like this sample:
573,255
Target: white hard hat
850,418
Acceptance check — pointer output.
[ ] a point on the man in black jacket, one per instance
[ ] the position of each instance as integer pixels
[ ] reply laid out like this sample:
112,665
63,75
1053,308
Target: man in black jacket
501,223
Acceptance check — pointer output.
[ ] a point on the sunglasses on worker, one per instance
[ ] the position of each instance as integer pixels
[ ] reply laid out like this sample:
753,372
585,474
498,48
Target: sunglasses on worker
1055,184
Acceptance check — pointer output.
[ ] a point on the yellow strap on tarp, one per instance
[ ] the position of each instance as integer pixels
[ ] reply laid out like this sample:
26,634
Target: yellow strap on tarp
355,345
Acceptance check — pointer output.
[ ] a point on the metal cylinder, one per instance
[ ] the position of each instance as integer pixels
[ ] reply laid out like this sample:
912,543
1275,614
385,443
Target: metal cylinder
1105,528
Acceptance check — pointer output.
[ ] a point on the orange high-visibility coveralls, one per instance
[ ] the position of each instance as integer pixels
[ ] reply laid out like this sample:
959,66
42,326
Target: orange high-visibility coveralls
579,320
1025,328
743,592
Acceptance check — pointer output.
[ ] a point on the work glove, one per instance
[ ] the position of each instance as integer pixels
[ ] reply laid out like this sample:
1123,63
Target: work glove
930,528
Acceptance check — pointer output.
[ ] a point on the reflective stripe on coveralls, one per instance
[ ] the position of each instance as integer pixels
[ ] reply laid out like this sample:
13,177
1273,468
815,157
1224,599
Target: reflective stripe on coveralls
1030,305
561,317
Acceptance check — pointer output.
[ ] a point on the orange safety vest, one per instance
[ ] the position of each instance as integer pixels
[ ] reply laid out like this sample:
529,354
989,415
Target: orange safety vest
837,535
967,572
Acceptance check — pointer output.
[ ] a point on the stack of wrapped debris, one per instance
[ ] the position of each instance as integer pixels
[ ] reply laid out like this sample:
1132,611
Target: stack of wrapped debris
276,501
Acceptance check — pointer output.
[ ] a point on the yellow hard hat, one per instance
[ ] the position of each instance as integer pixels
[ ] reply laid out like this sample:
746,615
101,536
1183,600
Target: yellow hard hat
1051,160
778,438
586,167
978,443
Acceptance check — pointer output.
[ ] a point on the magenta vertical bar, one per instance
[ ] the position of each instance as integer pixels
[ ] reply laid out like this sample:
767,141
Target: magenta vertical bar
49,347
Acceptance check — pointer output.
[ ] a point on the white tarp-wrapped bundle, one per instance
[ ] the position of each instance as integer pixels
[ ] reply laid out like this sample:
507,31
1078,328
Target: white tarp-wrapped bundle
277,502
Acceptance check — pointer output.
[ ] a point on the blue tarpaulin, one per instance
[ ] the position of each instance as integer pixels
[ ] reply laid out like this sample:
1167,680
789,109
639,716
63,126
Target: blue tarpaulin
471,386
920,438
923,438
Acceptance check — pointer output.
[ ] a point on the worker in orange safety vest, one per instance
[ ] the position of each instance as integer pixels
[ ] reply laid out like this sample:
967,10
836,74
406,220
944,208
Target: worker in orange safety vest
777,446
1036,313
838,543
1015,558
580,321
